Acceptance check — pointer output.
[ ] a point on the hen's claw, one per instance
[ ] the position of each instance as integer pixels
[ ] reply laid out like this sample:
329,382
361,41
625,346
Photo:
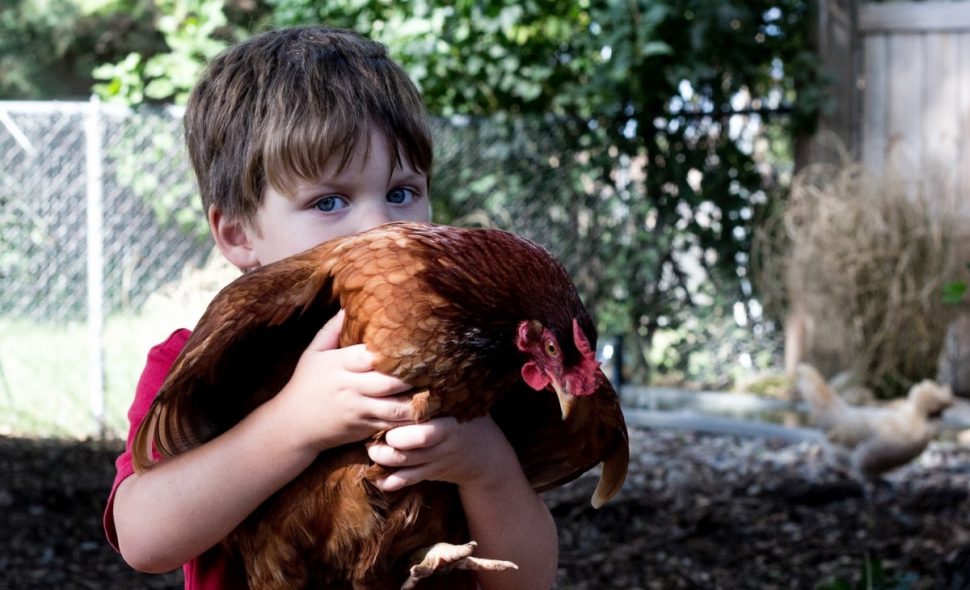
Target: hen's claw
443,557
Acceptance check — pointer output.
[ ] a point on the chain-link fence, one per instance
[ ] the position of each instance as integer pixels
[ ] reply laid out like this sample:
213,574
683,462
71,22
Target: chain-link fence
81,250
104,248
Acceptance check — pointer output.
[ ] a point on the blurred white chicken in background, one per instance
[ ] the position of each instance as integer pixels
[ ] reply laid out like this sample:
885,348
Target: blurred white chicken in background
871,440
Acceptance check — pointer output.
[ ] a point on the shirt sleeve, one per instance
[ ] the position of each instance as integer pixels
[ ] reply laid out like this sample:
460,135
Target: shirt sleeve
160,360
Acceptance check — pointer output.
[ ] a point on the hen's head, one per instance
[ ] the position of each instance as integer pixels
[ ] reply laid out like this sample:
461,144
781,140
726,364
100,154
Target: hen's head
930,398
568,371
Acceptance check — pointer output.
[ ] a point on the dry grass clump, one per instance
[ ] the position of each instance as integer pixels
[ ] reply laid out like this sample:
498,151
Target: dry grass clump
866,259
183,301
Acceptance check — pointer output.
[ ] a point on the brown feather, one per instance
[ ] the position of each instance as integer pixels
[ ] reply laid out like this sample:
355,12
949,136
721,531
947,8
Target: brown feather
439,308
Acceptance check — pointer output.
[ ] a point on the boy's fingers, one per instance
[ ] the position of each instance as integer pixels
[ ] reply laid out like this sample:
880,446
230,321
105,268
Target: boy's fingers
416,436
386,455
357,359
393,411
381,385
328,337
407,476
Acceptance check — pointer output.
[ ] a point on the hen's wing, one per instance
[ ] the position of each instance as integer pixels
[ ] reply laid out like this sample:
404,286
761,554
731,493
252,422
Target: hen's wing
247,341
250,338
554,451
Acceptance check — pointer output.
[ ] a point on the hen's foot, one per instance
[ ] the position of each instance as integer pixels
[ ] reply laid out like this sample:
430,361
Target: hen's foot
442,557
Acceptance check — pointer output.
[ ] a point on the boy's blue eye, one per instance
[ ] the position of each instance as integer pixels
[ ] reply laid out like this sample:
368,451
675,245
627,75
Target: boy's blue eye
328,204
400,196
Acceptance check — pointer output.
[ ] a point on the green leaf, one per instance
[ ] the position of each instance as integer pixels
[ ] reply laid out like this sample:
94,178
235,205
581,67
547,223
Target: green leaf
954,292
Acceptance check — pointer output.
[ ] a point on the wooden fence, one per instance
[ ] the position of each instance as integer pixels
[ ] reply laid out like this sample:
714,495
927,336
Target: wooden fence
901,83
900,75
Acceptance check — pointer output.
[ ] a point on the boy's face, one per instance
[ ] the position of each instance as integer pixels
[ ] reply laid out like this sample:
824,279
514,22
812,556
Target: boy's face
366,193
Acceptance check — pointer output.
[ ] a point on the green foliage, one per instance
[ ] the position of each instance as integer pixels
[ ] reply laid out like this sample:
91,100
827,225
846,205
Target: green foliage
955,291
194,31
143,162
874,576
49,47
641,93
621,110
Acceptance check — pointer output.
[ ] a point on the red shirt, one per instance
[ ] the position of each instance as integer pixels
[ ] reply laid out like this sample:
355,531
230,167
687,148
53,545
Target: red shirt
213,570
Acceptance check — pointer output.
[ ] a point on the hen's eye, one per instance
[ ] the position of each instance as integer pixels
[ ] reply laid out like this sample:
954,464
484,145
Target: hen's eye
551,349
330,203
401,196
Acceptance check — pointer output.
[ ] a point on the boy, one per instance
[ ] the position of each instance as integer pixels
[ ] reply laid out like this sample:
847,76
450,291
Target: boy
298,136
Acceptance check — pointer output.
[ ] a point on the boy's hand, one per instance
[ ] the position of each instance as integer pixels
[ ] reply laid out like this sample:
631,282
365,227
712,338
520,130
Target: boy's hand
474,453
335,397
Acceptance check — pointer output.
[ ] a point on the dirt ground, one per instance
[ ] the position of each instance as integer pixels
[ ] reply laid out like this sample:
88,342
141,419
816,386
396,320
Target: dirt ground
697,511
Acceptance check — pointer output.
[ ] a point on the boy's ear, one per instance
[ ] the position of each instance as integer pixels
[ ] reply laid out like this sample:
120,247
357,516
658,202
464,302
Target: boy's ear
233,239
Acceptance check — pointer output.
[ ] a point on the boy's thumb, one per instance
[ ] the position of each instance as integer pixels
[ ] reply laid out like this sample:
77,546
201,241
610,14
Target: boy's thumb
328,337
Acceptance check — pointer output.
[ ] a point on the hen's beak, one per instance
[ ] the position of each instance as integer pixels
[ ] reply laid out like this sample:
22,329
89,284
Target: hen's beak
565,400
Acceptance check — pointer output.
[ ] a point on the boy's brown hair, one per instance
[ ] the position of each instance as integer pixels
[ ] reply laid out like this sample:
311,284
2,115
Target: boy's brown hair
277,108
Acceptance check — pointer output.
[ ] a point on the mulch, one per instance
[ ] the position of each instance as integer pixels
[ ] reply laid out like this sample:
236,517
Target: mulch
698,511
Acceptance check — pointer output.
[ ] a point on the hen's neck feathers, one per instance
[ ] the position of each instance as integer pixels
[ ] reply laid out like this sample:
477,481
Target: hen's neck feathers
514,280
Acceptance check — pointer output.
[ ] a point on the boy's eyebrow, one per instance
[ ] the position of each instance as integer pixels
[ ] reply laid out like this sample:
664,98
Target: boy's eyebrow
401,175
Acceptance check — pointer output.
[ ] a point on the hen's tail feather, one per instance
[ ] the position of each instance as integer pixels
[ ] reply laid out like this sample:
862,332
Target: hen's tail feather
615,466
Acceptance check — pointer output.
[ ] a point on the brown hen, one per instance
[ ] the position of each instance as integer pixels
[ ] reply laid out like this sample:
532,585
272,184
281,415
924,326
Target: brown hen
474,319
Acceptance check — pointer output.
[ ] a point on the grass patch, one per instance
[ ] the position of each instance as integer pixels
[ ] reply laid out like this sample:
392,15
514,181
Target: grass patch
45,374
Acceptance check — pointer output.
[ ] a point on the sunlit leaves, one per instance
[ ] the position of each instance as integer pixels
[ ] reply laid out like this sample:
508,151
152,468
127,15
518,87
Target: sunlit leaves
194,31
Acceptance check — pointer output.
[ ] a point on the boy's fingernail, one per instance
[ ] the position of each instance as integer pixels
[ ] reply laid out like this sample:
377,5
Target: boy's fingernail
391,483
